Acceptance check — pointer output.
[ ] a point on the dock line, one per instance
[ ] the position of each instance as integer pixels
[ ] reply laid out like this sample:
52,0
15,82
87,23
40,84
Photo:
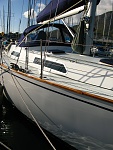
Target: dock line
7,148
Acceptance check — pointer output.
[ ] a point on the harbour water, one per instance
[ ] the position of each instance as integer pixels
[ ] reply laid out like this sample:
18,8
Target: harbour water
18,133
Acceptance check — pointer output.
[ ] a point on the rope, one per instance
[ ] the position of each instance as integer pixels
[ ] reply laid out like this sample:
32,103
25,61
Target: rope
33,116
4,146
70,8
36,104
49,21
1,62
47,42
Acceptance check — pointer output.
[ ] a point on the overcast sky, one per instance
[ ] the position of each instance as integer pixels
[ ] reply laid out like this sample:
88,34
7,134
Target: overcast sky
19,11
104,5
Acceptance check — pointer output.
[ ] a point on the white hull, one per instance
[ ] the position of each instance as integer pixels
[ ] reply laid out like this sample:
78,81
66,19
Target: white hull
60,110
74,98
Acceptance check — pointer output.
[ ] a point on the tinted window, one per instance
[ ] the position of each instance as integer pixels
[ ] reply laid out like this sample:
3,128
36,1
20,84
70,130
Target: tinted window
55,66
37,61
50,64
15,54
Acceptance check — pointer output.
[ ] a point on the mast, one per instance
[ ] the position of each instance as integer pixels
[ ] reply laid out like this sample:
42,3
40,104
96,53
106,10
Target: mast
97,27
90,32
9,17
110,24
21,17
3,20
104,26
29,13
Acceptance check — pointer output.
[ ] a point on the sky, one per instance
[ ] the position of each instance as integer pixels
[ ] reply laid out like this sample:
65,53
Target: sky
19,12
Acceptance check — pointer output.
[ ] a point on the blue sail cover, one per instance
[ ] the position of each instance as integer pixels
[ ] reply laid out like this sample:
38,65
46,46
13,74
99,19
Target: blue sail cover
27,31
55,7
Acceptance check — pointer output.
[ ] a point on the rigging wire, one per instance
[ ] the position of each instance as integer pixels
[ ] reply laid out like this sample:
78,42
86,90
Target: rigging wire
76,40
47,42
49,33
48,22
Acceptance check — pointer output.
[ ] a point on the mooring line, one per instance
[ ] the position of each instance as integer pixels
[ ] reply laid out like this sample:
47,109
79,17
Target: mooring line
36,104
33,116
4,146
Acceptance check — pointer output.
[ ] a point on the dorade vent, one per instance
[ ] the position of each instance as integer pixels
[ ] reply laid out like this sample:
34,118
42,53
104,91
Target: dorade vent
14,53
52,65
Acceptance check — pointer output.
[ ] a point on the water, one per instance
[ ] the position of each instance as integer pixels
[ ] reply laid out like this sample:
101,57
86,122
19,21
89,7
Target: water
18,133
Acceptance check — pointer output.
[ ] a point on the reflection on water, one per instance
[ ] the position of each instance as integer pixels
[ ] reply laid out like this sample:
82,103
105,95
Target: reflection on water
79,141
20,134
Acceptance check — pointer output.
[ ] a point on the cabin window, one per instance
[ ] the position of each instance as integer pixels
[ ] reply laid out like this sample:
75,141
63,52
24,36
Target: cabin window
67,38
47,33
55,66
37,61
17,54
50,64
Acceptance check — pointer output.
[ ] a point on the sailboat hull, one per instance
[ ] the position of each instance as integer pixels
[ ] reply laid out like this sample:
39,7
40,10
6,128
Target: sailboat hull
59,110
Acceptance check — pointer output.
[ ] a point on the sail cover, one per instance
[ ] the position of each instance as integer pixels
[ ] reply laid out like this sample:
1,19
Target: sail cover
56,7
27,31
